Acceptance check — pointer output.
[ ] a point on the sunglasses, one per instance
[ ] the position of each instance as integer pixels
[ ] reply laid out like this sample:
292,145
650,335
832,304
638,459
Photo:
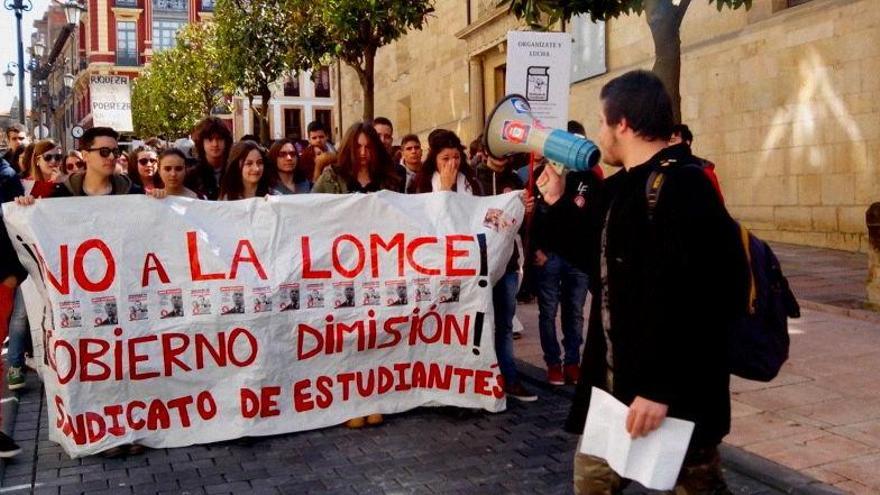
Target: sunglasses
53,157
287,154
79,165
105,152
145,161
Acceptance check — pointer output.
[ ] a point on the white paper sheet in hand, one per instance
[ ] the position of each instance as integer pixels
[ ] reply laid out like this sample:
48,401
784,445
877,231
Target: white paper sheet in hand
653,460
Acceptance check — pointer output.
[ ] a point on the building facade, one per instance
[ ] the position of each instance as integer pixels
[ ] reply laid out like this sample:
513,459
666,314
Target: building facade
783,97
296,100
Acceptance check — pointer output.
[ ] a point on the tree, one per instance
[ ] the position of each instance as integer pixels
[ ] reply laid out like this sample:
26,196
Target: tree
353,31
664,20
181,85
255,38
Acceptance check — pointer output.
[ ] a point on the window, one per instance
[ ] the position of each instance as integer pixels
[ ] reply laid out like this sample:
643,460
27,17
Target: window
325,117
168,17
126,43
293,123
322,83
291,86
165,33
170,5
126,3
207,5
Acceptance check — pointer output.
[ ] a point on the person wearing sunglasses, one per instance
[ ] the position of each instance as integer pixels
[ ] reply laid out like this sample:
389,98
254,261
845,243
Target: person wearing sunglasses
44,169
99,146
142,165
288,178
74,163
172,173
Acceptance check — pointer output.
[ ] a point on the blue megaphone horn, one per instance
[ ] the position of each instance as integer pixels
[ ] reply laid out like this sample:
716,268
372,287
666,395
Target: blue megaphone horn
511,128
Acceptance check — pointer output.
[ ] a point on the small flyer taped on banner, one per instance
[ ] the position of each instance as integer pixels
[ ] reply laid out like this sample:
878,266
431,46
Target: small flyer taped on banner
289,297
232,300
71,314
450,290
201,301
137,307
170,303
372,297
422,289
498,221
105,311
396,293
314,296
343,295
262,299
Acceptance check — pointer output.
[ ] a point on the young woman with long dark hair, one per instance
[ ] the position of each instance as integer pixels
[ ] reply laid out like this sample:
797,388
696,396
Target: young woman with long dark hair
446,168
289,179
247,173
172,173
142,166
362,165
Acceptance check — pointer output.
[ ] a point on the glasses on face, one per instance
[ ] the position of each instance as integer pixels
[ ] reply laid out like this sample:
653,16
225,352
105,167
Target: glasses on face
77,165
147,161
53,157
287,154
105,151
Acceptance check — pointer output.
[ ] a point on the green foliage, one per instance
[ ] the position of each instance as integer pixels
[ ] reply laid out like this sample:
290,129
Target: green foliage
352,31
254,37
542,13
180,86
349,29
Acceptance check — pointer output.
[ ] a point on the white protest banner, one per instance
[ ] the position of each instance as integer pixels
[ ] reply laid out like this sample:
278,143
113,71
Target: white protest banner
177,321
539,68
111,102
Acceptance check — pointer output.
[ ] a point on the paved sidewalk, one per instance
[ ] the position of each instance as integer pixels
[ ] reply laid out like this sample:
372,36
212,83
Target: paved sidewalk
821,415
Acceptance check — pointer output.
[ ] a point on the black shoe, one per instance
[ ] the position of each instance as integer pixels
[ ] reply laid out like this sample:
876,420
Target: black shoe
8,448
114,452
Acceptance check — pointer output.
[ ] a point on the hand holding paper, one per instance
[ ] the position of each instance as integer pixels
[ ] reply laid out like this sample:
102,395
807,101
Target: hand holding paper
653,460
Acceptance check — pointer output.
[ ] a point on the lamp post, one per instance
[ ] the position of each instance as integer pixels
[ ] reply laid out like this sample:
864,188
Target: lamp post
19,7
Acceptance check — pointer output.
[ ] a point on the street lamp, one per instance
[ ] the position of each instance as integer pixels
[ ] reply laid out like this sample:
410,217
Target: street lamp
19,7
68,80
8,75
72,11
39,49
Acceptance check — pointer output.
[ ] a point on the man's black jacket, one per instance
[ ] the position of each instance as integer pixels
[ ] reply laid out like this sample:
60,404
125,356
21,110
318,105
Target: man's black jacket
673,284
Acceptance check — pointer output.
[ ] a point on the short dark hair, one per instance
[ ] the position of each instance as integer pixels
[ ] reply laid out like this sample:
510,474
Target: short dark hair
250,137
315,126
88,137
639,97
575,127
408,138
383,121
16,127
684,131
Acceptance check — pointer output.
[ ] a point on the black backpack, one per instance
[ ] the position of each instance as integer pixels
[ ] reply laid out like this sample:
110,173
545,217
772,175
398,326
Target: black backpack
759,340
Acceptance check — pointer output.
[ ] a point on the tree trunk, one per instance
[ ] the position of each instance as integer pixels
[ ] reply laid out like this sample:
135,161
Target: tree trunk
664,20
266,95
366,77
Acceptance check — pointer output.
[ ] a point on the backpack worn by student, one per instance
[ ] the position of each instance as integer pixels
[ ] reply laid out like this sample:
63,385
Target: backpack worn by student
759,338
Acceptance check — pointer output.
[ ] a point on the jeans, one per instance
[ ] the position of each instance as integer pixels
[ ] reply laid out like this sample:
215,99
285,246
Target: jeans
560,283
504,301
19,334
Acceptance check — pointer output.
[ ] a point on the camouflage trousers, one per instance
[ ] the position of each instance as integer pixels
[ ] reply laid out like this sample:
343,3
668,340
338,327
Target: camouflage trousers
700,474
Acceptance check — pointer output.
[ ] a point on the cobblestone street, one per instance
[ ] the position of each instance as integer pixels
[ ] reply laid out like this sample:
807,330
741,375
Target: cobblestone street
427,450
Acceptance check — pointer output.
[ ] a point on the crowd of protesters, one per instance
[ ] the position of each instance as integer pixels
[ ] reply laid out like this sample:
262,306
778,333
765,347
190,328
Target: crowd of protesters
616,253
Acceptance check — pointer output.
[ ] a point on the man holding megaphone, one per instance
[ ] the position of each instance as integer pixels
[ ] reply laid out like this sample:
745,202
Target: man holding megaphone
666,282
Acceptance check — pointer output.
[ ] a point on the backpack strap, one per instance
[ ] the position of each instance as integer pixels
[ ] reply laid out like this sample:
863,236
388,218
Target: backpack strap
753,288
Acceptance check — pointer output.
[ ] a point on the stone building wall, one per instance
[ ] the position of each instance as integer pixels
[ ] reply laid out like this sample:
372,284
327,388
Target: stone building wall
785,100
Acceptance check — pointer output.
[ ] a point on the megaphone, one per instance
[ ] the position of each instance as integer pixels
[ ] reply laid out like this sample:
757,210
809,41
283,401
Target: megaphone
511,128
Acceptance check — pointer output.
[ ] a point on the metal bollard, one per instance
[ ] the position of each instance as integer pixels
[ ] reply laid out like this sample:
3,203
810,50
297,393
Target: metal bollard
872,219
